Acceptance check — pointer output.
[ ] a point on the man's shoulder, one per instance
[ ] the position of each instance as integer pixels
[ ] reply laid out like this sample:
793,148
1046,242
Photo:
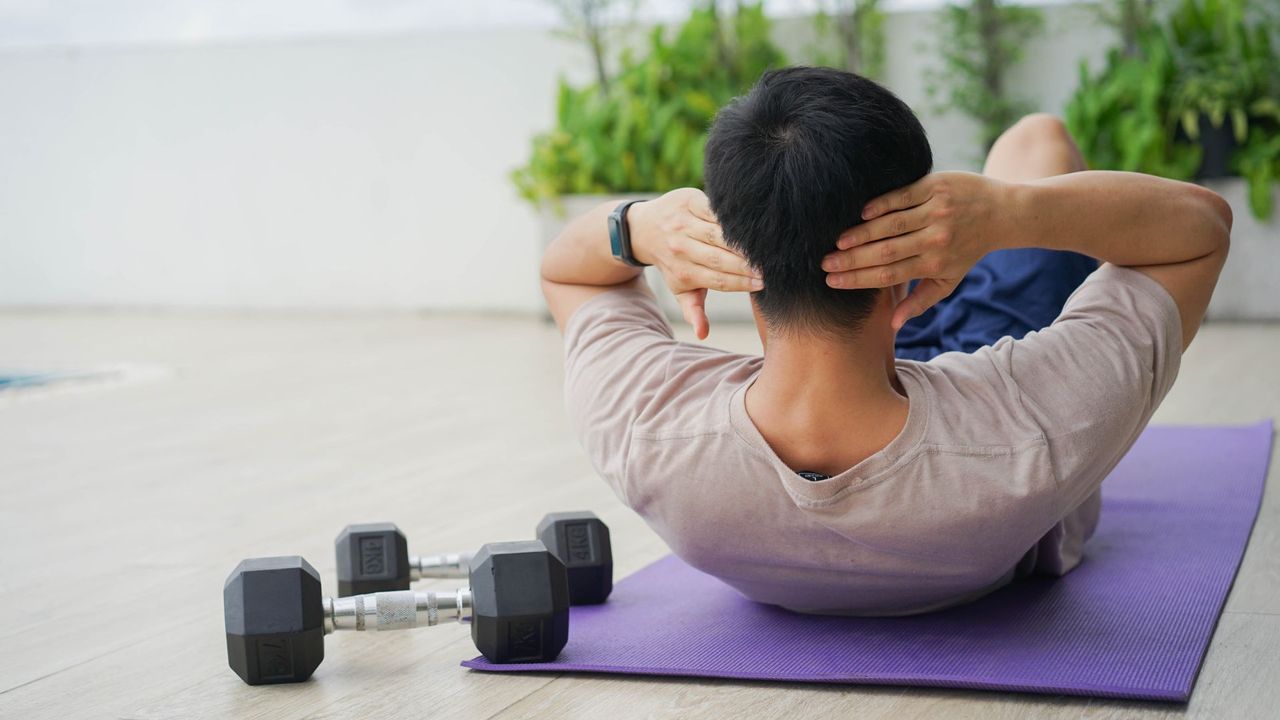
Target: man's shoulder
623,305
628,327
626,373
971,401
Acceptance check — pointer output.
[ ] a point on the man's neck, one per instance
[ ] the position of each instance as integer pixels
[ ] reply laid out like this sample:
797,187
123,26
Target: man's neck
825,404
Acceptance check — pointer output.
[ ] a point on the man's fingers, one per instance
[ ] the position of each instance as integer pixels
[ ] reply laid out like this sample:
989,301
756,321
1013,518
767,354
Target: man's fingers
885,226
701,207
881,252
705,277
900,199
924,295
876,277
722,260
693,307
712,251
707,233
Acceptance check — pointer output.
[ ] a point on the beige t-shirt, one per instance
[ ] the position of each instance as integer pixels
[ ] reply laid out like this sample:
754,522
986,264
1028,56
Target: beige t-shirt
995,474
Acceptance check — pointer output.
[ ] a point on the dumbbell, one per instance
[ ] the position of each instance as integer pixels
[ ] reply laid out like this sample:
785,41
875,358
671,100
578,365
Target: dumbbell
276,617
375,557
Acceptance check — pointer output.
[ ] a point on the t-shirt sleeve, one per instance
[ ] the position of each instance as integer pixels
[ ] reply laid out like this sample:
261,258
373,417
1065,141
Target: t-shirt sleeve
618,348
1093,379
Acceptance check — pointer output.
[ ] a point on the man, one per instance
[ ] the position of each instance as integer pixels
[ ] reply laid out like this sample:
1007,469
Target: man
830,476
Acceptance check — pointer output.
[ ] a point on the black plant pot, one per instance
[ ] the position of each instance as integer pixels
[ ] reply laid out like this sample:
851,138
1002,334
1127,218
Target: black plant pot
1217,143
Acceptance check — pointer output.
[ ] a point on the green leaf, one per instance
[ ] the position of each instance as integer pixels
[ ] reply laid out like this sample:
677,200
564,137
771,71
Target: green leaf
1239,124
1191,124
1260,196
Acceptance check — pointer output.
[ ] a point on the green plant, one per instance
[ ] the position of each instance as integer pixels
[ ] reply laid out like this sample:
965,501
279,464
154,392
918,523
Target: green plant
1226,65
647,130
1215,92
1211,59
1258,162
858,27
978,43
1121,118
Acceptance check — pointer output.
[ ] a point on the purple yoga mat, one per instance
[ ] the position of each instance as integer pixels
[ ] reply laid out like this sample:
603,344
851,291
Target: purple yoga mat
1133,621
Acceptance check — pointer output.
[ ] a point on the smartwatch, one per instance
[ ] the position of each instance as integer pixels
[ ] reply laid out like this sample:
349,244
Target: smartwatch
620,235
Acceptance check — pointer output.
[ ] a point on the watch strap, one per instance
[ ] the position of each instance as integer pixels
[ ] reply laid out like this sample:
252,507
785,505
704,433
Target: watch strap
620,235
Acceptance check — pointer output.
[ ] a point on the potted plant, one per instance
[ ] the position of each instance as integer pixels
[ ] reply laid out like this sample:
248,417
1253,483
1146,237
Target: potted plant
643,133
1121,116
1198,98
1226,75
1203,101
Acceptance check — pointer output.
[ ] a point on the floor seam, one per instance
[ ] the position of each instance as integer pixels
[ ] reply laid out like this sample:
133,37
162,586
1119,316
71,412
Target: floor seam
515,702
72,666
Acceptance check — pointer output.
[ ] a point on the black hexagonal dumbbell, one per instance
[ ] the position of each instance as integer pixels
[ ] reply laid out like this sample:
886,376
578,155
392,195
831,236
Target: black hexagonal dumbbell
276,617
375,557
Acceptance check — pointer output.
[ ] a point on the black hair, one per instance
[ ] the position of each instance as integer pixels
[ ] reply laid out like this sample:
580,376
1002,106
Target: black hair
790,165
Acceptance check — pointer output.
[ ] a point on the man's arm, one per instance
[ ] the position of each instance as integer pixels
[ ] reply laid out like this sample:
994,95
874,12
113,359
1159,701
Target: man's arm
1177,233
577,265
936,229
676,232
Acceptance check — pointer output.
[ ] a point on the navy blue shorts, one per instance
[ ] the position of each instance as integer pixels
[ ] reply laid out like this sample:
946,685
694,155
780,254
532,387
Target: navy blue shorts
1009,292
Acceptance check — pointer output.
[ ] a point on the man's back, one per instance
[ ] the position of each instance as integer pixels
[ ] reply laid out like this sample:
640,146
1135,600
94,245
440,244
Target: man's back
819,201
995,472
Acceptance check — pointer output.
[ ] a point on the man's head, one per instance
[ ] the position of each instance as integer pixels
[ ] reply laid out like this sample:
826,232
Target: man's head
789,166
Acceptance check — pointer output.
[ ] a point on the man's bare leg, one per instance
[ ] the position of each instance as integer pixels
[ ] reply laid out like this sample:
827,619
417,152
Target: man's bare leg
1037,146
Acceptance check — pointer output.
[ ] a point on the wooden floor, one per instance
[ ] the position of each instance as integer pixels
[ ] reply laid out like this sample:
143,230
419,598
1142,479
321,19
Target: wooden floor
125,506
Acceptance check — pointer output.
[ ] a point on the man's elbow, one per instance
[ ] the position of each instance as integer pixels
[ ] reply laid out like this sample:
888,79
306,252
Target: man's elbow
542,275
545,265
551,268
1219,217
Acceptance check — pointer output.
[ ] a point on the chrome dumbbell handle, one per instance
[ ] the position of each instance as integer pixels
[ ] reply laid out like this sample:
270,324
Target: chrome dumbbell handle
398,610
452,565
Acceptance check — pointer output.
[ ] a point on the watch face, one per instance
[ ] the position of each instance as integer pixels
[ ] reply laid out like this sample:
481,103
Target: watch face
615,235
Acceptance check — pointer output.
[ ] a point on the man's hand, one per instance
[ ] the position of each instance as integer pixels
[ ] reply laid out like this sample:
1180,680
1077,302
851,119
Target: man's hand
678,234
933,230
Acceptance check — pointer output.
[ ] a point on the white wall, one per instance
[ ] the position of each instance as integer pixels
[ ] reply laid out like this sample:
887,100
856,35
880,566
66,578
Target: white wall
356,172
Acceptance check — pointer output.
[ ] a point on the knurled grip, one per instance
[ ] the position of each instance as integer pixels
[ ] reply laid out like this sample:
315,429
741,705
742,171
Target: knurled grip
396,610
